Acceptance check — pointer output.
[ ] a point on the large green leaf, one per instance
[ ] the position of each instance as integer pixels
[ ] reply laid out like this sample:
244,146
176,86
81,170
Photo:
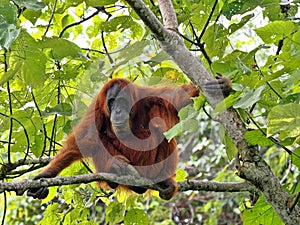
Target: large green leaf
261,213
256,137
8,29
8,12
130,52
63,109
31,4
234,7
33,68
61,48
136,217
27,60
32,15
114,213
249,98
275,31
8,34
117,23
284,118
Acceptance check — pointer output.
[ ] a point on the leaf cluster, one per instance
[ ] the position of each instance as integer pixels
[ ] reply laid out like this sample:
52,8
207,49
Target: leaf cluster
55,55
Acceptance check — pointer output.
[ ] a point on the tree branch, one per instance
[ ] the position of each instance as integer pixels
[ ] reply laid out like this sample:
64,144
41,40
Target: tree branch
198,185
7,168
79,22
172,43
168,15
21,186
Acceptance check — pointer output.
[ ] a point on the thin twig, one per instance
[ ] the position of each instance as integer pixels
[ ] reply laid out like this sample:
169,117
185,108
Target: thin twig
268,83
79,22
207,21
51,18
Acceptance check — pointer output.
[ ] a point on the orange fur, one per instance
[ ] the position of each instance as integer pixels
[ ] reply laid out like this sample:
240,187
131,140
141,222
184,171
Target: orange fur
154,112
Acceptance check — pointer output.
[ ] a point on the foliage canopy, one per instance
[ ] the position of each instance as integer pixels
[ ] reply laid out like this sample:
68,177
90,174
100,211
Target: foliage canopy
56,54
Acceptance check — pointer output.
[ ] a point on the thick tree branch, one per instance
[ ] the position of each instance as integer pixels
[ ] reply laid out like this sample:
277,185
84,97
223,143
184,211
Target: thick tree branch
253,168
198,185
21,186
168,14
173,44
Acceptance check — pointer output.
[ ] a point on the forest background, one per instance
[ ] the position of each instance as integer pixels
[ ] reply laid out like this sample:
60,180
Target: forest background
56,54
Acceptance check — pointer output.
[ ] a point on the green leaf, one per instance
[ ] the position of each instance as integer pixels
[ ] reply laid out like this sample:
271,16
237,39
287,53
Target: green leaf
31,4
284,118
293,98
187,123
117,23
159,74
235,26
63,109
225,104
231,149
30,60
33,69
136,217
8,34
256,137
132,51
249,98
37,145
61,48
180,175
32,15
158,58
234,7
295,158
294,78
275,31
261,213
52,215
199,102
8,12
271,10
8,20
115,213
13,70
288,141
95,3
223,68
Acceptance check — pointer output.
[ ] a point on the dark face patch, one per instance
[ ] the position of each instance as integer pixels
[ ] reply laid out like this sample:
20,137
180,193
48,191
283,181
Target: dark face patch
118,107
